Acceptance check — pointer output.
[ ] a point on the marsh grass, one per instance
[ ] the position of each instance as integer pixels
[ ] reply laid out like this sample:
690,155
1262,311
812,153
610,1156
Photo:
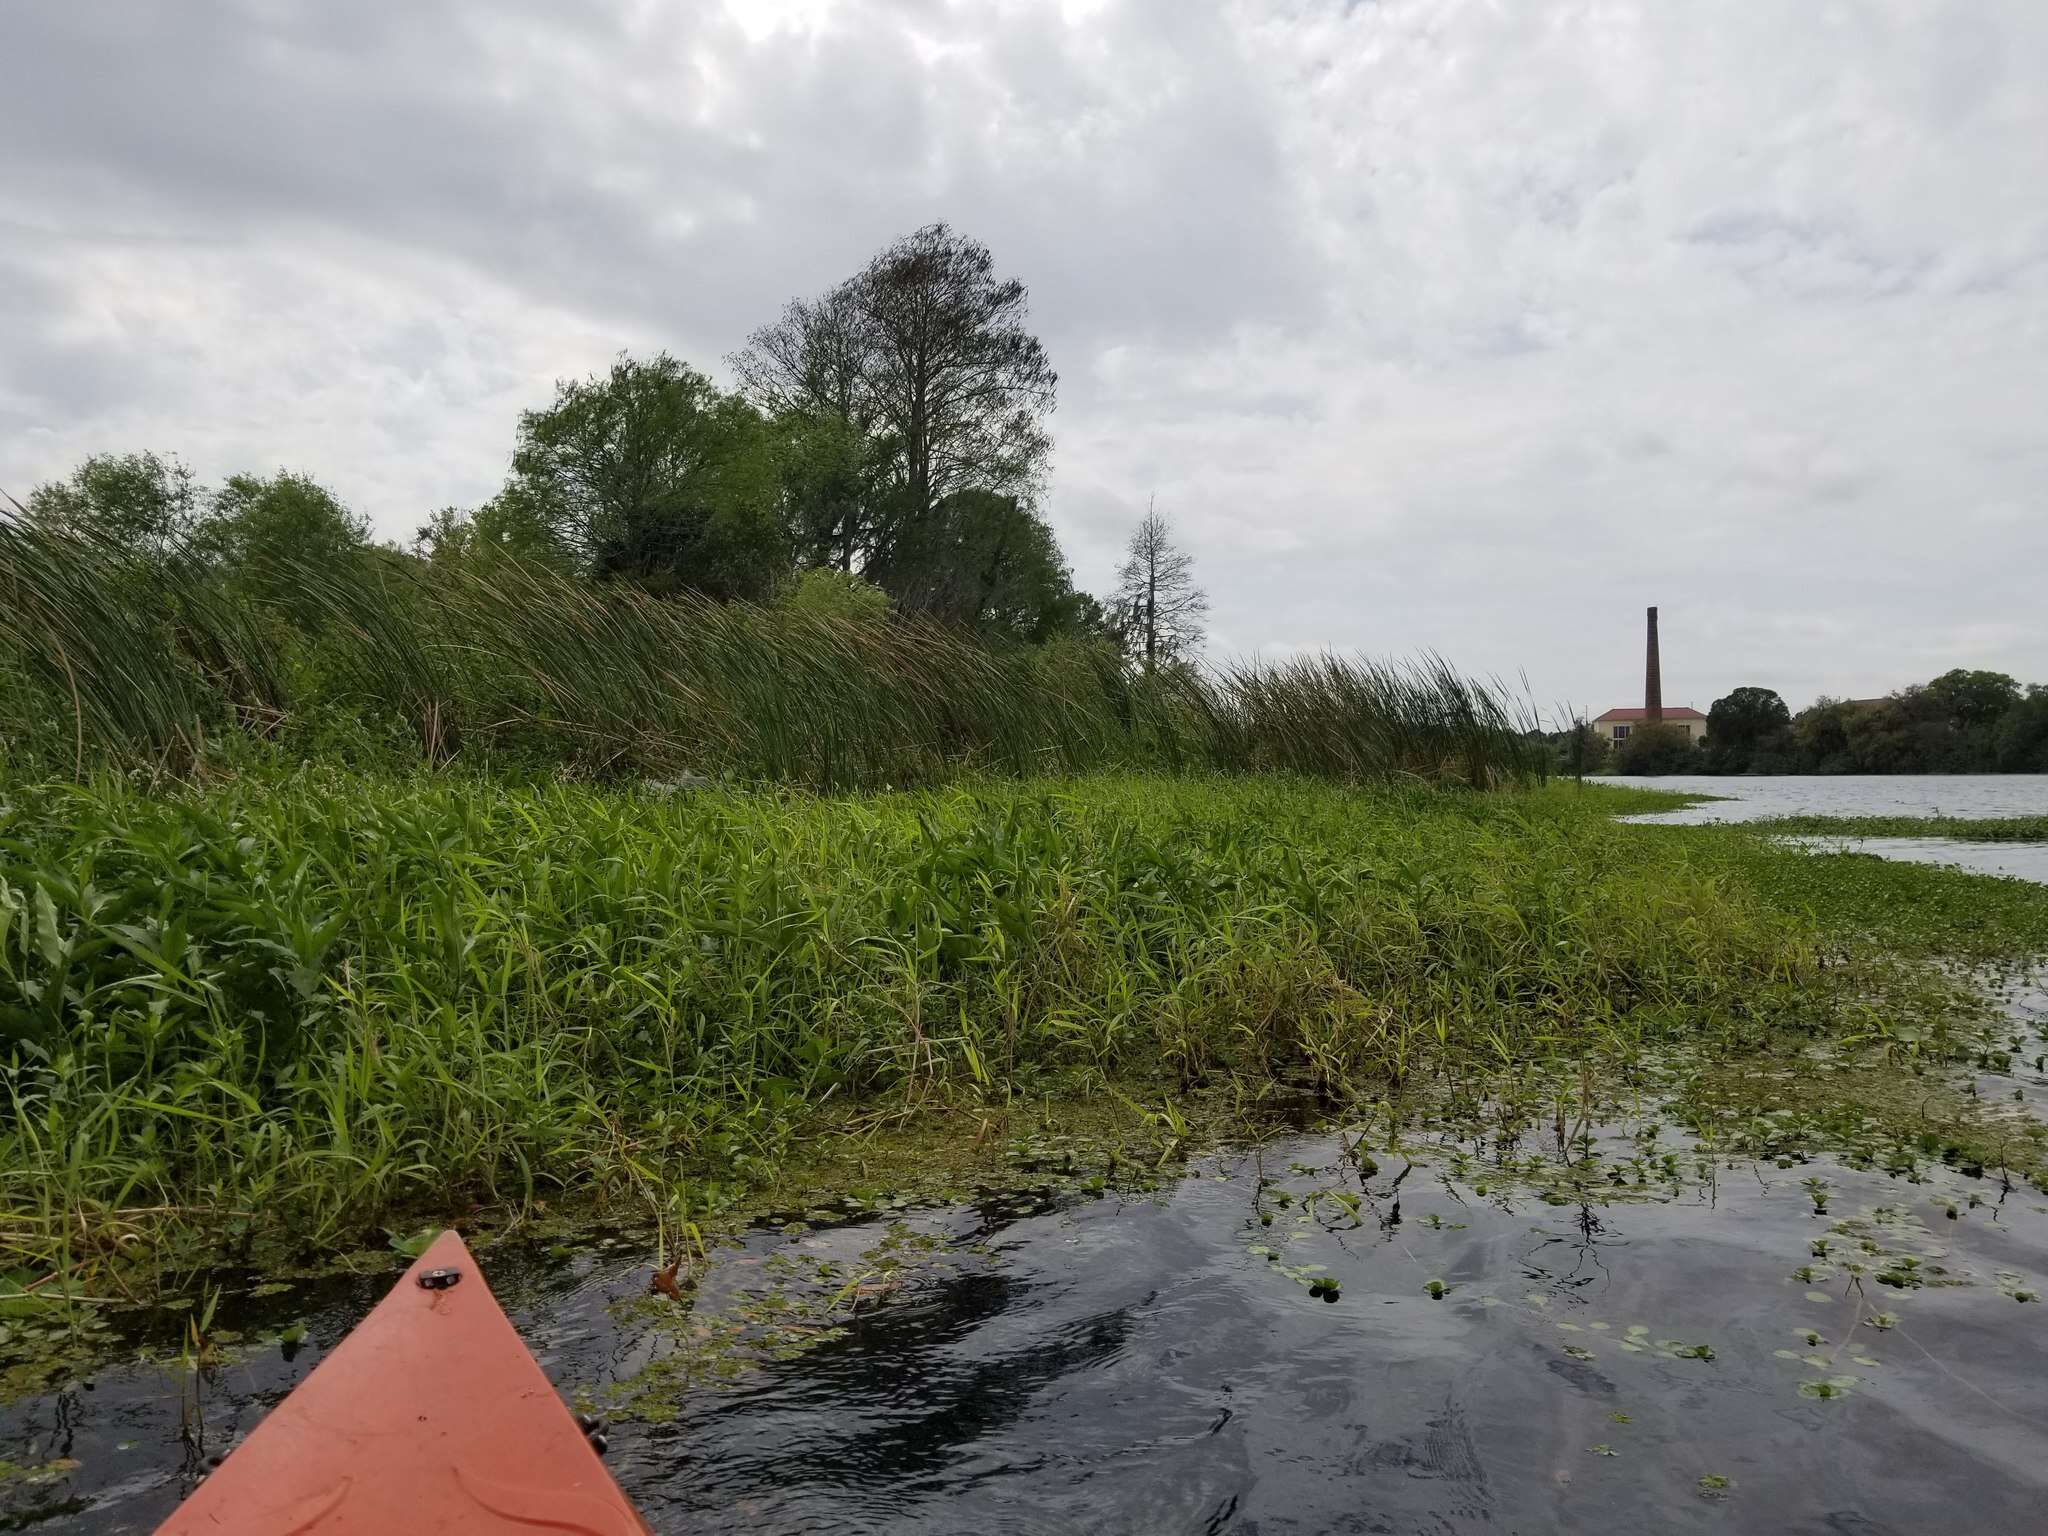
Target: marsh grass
298,1004
245,1005
133,657
1987,829
289,1008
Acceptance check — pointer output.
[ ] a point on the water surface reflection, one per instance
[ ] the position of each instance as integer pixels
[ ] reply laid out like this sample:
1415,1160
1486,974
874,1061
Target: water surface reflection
1604,1343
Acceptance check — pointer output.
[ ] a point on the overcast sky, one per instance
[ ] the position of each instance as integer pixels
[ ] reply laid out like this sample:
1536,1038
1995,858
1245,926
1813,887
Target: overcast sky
1466,326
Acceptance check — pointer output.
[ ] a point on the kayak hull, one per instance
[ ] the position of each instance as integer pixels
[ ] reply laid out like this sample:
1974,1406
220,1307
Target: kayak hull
431,1416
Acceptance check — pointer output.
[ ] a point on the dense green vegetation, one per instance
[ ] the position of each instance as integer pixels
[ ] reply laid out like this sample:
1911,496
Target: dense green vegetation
1987,829
1654,750
339,881
169,662
291,1005
1962,722
836,577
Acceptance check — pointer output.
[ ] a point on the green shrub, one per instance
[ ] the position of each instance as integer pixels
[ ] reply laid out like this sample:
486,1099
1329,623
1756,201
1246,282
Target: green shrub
1656,749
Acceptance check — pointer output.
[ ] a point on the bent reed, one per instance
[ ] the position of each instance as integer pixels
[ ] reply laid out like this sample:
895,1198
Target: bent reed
159,658
330,897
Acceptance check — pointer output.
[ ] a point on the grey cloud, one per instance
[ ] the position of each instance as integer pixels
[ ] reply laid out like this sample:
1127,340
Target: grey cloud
1467,327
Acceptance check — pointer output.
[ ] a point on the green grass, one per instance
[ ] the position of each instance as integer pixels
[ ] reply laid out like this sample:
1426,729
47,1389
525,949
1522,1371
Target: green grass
1987,829
294,1005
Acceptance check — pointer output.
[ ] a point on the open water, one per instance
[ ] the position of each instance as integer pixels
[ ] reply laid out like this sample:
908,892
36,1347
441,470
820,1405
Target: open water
1974,796
1650,1344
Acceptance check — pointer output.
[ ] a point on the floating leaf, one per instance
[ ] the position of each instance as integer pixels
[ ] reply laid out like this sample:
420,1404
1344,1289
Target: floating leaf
1832,1387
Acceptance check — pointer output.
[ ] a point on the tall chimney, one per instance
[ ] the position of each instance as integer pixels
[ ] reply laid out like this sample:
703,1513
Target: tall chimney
1653,679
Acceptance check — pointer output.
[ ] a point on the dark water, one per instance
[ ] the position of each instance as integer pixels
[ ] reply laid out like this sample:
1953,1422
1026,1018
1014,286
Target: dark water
1067,1361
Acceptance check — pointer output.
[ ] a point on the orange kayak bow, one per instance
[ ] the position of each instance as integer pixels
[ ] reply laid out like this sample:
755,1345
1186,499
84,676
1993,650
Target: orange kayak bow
430,1417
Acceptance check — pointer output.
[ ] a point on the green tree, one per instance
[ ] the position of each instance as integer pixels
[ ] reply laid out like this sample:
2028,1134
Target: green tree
258,530
983,560
129,499
1969,699
1582,750
1743,725
950,370
510,524
286,516
909,397
837,594
2022,734
1746,716
651,474
835,484
1655,749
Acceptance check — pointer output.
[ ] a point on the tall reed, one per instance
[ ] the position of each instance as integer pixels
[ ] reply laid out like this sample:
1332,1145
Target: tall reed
143,657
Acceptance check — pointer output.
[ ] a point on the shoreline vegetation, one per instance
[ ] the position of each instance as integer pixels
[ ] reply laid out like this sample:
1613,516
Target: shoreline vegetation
340,895
1988,829
265,1018
1962,722
151,659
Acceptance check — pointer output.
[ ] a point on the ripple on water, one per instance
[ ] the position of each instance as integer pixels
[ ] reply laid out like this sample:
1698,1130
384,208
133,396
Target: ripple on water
1659,1347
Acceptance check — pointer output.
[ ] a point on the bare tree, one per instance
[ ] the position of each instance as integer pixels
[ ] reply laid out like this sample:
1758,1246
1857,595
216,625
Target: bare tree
1157,603
950,369
808,373
809,361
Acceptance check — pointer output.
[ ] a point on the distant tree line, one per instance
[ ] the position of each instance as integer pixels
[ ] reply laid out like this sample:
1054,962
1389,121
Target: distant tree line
885,453
1964,721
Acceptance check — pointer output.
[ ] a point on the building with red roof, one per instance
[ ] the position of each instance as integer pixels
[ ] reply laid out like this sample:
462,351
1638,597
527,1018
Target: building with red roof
1617,723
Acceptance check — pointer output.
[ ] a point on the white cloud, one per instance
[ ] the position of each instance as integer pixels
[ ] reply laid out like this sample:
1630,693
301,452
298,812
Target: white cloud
1458,325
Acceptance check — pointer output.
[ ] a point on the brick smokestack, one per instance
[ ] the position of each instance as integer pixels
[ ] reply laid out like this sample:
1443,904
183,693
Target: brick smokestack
1653,679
